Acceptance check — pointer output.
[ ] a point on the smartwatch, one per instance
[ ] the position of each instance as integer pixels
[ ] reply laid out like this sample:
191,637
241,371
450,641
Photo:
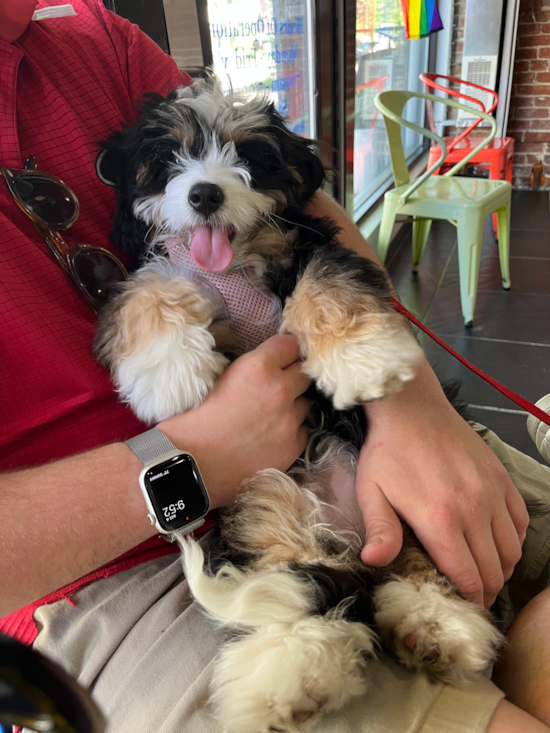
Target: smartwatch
171,483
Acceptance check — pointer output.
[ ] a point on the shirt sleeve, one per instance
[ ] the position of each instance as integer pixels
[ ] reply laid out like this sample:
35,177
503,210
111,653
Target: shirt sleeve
146,67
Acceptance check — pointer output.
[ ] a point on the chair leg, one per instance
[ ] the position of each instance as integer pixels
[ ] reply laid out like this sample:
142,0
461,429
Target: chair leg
503,215
386,228
509,168
421,230
497,172
470,235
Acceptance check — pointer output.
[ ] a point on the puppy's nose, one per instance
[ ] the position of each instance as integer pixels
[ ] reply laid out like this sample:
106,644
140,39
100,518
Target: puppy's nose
206,198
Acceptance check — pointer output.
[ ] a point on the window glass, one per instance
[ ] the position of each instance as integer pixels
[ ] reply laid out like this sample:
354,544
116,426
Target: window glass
385,59
266,46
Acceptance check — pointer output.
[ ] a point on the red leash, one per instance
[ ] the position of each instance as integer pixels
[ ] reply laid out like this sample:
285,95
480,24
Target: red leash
521,401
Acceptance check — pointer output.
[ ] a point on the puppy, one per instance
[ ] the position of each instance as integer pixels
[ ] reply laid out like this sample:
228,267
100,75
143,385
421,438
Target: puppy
210,192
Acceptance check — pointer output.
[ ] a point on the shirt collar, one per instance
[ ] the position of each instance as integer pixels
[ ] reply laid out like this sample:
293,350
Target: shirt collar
15,16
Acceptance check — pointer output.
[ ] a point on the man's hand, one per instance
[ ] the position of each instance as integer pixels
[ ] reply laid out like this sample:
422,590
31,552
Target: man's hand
424,464
253,419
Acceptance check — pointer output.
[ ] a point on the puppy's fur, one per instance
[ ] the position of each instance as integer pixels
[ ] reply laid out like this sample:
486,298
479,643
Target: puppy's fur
285,572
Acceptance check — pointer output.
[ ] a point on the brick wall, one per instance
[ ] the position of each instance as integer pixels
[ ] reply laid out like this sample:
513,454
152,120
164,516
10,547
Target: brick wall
529,121
457,49
457,41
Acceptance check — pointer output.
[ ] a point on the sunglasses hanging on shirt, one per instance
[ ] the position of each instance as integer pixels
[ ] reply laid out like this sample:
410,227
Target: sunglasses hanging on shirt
53,208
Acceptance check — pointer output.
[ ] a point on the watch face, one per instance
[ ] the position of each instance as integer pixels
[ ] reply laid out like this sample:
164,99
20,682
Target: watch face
176,492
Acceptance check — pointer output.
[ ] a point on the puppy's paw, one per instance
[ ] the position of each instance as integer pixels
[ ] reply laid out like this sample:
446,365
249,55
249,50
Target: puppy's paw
354,344
429,627
156,339
368,365
285,677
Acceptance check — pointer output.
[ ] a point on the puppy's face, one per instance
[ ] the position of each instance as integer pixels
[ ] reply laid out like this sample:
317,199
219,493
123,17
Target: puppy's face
210,169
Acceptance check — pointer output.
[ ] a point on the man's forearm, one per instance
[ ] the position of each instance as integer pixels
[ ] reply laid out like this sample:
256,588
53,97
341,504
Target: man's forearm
65,519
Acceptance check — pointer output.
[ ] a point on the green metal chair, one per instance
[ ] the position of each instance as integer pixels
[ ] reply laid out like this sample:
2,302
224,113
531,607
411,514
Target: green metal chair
463,201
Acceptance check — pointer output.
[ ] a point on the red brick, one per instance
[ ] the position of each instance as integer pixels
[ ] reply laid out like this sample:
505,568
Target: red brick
530,113
526,41
529,29
527,90
528,147
536,137
521,66
529,53
540,125
541,101
543,76
537,64
526,160
544,53
539,15
519,125
526,77
521,101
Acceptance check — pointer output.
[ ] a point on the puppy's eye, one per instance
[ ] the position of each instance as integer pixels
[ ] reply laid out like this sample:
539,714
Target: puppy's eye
269,160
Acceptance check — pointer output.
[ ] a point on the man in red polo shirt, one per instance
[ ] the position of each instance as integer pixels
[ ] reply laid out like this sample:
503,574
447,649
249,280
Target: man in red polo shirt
65,83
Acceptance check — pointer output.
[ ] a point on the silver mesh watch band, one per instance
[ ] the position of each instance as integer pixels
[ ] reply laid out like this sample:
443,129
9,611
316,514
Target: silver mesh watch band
151,446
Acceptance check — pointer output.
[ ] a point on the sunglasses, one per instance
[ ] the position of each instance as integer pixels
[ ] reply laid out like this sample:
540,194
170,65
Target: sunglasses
53,207
38,695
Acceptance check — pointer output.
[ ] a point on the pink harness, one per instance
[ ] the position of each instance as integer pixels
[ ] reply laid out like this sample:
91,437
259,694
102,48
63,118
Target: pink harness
252,312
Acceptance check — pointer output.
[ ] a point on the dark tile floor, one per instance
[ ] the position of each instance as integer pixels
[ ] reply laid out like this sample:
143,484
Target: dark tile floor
510,339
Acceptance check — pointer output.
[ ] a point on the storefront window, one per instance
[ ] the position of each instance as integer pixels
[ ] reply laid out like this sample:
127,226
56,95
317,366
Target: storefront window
265,46
385,59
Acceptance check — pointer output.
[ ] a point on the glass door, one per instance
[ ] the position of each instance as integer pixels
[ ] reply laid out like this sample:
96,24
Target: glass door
385,59
267,47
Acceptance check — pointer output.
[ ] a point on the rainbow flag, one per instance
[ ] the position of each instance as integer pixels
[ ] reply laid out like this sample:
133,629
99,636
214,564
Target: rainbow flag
421,18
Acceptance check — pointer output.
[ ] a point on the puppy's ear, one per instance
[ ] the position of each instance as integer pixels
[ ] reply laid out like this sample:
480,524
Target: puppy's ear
115,167
301,155
120,164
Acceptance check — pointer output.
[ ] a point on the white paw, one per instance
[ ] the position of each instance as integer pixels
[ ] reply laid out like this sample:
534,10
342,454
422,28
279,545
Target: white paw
173,373
284,677
433,629
366,367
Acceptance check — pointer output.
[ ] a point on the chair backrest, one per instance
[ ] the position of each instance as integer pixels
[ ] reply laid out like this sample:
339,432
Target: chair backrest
391,105
430,83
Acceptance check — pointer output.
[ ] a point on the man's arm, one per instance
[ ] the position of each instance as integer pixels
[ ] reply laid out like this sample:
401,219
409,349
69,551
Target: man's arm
424,464
65,519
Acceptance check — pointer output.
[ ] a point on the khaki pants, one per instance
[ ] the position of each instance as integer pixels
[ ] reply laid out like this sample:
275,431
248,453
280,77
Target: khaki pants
145,650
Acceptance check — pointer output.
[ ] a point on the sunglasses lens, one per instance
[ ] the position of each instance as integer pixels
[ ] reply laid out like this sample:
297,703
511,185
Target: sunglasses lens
98,273
50,201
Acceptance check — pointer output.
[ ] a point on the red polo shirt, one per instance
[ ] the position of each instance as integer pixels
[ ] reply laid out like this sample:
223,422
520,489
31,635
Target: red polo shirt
65,84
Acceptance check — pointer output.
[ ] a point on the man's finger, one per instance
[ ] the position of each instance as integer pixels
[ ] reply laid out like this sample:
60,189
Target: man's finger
454,560
384,532
483,549
300,381
302,407
507,542
284,349
518,512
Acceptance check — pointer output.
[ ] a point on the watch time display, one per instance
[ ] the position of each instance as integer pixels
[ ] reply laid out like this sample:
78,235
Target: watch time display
176,491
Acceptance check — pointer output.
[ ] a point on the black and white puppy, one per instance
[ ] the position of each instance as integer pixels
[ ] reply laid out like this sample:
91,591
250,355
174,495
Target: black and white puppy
227,180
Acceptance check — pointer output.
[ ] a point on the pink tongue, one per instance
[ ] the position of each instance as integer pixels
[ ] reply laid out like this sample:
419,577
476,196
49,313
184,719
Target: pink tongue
211,249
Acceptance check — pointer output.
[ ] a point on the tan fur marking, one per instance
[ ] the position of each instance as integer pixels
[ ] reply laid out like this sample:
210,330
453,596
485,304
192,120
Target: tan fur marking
225,339
282,522
148,307
264,242
415,565
326,310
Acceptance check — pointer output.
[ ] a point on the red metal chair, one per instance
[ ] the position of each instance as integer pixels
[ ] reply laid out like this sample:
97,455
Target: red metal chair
497,157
